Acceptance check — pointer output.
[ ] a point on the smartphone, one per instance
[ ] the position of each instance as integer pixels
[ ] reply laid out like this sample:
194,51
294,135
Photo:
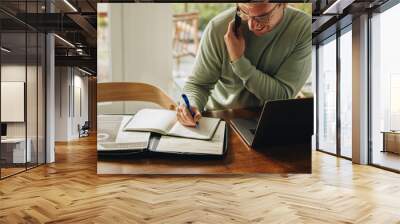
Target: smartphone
238,21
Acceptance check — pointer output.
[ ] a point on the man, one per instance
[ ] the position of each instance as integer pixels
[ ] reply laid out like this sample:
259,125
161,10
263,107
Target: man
269,59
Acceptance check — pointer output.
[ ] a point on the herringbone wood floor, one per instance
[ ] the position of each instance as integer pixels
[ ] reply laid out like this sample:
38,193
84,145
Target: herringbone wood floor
70,191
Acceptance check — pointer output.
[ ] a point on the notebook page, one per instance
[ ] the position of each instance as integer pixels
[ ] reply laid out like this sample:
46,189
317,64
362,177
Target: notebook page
215,146
107,127
134,138
120,140
156,120
204,130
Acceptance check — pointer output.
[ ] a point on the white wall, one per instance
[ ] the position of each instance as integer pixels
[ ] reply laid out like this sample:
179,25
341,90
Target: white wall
16,73
79,117
82,82
33,126
141,49
67,116
13,72
61,103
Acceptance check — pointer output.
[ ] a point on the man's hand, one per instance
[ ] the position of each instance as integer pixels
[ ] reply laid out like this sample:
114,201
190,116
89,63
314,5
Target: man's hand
234,44
185,118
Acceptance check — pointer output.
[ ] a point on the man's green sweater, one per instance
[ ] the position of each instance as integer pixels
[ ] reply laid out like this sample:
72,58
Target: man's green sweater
274,66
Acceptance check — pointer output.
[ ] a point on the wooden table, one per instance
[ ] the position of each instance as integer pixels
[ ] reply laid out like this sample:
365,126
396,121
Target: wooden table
14,152
391,141
240,159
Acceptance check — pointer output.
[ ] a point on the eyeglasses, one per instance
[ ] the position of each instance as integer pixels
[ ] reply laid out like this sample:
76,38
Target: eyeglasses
262,19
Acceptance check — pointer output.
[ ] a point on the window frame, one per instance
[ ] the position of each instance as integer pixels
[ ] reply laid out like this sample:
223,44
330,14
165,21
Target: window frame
334,37
27,29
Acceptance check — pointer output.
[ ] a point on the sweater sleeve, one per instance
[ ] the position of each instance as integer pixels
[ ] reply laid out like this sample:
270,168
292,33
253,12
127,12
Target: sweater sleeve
289,79
207,69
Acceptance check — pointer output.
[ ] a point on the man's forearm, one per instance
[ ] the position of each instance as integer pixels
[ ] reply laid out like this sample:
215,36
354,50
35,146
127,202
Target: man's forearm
260,84
198,94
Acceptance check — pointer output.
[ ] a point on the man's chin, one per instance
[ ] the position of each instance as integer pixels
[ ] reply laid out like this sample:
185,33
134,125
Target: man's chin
260,32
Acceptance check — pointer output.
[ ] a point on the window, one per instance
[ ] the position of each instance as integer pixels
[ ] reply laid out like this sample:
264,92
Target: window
346,93
327,96
385,88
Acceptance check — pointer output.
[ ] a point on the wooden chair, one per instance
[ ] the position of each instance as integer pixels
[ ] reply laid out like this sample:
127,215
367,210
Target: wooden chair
129,91
186,30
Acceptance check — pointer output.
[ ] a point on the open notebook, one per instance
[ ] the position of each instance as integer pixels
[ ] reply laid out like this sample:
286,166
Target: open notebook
164,122
113,140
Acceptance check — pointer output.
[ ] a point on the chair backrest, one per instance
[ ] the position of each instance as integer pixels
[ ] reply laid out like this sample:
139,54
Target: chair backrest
129,91
86,125
185,33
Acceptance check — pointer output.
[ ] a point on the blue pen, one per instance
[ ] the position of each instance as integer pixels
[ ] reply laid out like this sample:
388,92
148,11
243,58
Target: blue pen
185,98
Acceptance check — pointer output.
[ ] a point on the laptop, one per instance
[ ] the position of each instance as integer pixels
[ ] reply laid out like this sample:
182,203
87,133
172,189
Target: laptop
280,122
3,131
